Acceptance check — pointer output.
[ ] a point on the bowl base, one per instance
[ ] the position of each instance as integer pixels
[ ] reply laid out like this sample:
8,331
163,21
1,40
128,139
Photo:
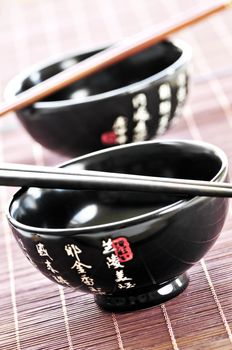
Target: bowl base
144,297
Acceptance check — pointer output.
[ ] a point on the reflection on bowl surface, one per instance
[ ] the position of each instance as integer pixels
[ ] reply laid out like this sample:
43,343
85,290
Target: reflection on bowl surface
130,249
133,100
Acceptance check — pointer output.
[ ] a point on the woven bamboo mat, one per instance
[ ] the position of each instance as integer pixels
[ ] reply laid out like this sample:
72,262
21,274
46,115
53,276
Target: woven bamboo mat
35,313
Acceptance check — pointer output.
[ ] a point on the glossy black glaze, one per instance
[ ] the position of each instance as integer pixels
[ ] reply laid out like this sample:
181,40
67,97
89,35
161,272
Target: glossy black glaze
131,250
133,100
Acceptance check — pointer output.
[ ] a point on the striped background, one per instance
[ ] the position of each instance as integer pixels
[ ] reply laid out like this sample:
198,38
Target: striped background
35,313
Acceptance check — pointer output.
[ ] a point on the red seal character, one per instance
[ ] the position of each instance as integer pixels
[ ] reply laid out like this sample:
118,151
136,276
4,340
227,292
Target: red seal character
122,249
109,138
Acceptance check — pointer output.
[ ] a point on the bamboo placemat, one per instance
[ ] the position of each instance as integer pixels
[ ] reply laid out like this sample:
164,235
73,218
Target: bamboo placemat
35,313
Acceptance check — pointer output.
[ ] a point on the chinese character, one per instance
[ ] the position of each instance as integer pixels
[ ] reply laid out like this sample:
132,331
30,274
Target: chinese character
121,139
120,124
141,115
164,91
122,249
120,276
73,250
163,124
120,129
87,280
181,94
181,79
97,290
126,285
42,251
49,267
165,107
139,100
113,261
79,266
60,279
107,245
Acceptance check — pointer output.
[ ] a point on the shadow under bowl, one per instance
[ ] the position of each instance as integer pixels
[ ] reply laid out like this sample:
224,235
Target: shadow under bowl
130,249
133,100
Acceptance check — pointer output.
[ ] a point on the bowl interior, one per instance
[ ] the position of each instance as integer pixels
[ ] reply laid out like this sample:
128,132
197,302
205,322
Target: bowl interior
54,208
129,71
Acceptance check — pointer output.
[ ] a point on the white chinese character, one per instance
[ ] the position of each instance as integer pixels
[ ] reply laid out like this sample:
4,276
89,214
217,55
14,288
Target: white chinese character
120,123
121,139
107,245
60,279
120,129
49,266
181,79
79,266
139,100
126,285
141,115
163,124
164,91
113,261
120,276
140,132
97,290
73,250
87,280
181,94
165,107
141,128
42,251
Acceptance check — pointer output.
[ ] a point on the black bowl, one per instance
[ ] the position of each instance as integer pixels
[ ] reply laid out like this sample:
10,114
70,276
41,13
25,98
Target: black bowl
130,249
131,101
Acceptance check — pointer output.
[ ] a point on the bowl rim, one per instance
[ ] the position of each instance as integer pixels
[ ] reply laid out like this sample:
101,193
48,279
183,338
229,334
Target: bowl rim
11,87
168,210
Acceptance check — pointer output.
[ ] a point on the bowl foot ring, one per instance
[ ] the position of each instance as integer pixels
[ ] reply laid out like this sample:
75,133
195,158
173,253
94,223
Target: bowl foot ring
144,297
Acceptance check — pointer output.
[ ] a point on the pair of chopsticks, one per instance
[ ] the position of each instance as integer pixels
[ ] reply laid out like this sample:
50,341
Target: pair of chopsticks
110,56
49,177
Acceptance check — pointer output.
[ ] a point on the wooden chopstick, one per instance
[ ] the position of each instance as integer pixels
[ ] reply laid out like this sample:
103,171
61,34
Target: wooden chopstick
110,56
46,177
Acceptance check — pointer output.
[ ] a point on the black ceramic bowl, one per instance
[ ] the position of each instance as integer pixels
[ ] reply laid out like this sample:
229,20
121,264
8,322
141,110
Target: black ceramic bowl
131,101
130,250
